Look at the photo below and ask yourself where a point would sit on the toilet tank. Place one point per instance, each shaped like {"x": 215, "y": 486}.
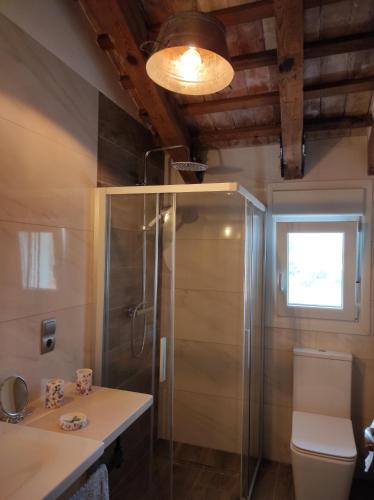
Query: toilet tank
{"x": 322, "y": 382}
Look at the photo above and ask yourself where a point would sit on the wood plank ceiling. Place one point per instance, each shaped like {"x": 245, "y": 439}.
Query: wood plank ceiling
{"x": 326, "y": 91}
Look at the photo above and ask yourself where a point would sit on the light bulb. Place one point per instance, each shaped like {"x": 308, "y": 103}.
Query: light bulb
{"x": 189, "y": 65}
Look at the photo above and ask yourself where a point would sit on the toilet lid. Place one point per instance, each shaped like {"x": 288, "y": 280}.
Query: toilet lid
{"x": 323, "y": 435}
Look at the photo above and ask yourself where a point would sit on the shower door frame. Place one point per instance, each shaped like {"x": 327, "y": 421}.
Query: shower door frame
{"x": 100, "y": 245}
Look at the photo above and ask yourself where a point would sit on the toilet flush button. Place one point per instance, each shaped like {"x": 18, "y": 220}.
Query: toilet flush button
{"x": 48, "y": 335}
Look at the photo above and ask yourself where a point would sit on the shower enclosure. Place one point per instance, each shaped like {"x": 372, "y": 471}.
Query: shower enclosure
{"x": 180, "y": 316}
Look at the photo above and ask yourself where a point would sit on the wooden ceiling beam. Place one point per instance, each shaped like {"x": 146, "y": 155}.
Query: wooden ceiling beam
{"x": 329, "y": 89}
{"x": 343, "y": 122}
{"x": 256, "y": 11}
{"x": 121, "y": 32}
{"x": 340, "y": 45}
{"x": 241, "y": 14}
{"x": 272, "y": 98}
{"x": 212, "y": 137}
{"x": 230, "y": 104}
{"x": 321, "y": 48}
{"x": 289, "y": 27}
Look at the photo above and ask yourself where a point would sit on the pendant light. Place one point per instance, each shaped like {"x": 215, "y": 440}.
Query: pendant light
{"x": 190, "y": 55}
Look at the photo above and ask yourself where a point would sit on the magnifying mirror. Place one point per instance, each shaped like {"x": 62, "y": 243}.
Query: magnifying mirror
{"x": 14, "y": 397}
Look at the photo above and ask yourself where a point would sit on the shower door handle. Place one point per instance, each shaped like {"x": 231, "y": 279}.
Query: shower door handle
{"x": 163, "y": 352}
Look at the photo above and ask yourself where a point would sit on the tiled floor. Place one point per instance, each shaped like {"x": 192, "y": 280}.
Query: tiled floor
{"x": 205, "y": 474}
{"x": 274, "y": 482}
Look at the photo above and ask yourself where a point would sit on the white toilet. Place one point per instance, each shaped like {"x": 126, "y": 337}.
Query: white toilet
{"x": 323, "y": 449}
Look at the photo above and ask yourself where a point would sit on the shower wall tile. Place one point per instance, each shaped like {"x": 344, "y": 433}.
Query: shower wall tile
{"x": 42, "y": 94}
{"x": 213, "y": 216}
{"x": 125, "y": 248}
{"x": 121, "y": 367}
{"x": 43, "y": 269}
{"x": 44, "y": 182}
{"x": 126, "y": 287}
{"x": 206, "y": 420}
{"x": 20, "y": 343}
{"x": 127, "y": 216}
{"x": 209, "y": 265}
{"x": 209, "y": 316}
{"x": 208, "y": 368}
{"x": 122, "y": 144}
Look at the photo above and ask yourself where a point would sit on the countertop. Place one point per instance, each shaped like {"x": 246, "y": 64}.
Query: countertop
{"x": 37, "y": 464}
{"x": 109, "y": 411}
{"x": 40, "y": 461}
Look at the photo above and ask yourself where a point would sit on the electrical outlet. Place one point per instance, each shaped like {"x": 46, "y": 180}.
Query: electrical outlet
{"x": 48, "y": 332}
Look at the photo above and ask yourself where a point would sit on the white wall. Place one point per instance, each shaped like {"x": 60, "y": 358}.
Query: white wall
{"x": 62, "y": 28}
{"x": 256, "y": 167}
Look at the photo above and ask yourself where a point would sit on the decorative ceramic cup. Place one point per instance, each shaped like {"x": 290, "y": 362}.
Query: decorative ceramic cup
{"x": 84, "y": 381}
{"x": 54, "y": 393}
{"x": 73, "y": 421}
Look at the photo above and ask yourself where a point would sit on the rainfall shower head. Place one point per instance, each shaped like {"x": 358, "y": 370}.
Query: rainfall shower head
{"x": 189, "y": 166}
{"x": 181, "y": 166}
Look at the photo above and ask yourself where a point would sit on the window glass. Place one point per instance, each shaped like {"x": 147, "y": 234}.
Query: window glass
{"x": 315, "y": 269}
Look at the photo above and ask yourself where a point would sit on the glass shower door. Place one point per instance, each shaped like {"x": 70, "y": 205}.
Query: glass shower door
{"x": 253, "y": 353}
{"x": 131, "y": 355}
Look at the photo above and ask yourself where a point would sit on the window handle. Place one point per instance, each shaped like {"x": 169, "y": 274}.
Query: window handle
{"x": 357, "y": 300}
{"x": 282, "y": 282}
{"x": 163, "y": 351}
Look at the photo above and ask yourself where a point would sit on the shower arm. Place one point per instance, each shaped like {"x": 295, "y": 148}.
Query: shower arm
{"x": 156, "y": 150}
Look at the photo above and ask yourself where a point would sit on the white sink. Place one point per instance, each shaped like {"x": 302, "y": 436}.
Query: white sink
{"x": 37, "y": 464}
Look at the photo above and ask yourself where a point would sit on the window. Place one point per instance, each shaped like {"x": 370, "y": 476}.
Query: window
{"x": 319, "y": 256}
{"x": 317, "y": 266}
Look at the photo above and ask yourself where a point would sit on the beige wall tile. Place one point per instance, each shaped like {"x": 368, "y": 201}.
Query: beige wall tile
{"x": 20, "y": 344}
{"x": 277, "y": 433}
{"x": 207, "y": 368}
{"x": 361, "y": 346}
{"x": 286, "y": 339}
{"x": 42, "y": 94}
{"x": 208, "y": 421}
{"x": 363, "y": 387}
{"x": 209, "y": 316}
{"x": 278, "y": 377}
{"x": 210, "y": 265}
{"x": 43, "y": 269}
{"x": 43, "y": 182}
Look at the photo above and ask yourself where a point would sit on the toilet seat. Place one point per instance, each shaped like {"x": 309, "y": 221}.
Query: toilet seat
{"x": 323, "y": 436}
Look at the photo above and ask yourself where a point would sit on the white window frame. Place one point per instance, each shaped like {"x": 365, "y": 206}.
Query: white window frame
{"x": 356, "y": 319}
{"x": 350, "y": 229}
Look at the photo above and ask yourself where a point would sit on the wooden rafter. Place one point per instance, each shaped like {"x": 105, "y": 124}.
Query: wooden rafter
{"x": 289, "y": 21}
{"x": 211, "y": 138}
{"x": 320, "y": 48}
{"x": 272, "y": 98}
{"x": 238, "y": 14}
{"x": 123, "y": 31}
